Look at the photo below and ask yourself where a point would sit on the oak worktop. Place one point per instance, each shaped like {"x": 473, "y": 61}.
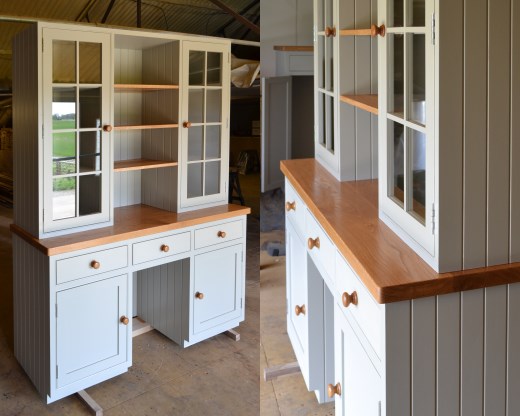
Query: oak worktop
{"x": 131, "y": 222}
{"x": 392, "y": 271}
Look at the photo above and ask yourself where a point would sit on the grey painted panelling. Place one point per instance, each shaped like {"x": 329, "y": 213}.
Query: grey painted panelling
{"x": 513, "y": 346}
{"x": 475, "y": 140}
{"x": 499, "y": 75}
{"x": 515, "y": 133}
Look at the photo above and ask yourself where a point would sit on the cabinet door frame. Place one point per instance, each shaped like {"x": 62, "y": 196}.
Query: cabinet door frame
{"x": 50, "y": 34}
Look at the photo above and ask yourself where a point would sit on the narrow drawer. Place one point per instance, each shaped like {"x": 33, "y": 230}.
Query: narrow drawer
{"x": 159, "y": 248}
{"x": 218, "y": 234}
{"x": 91, "y": 264}
{"x": 320, "y": 247}
{"x": 354, "y": 297}
{"x": 294, "y": 208}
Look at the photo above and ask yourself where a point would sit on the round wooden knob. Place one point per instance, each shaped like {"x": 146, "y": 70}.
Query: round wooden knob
{"x": 95, "y": 264}
{"x": 107, "y": 128}
{"x": 348, "y": 300}
{"x": 186, "y": 124}
{"x": 299, "y": 310}
{"x": 199, "y": 295}
{"x": 330, "y": 31}
{"x": 313, "y": 242}
{"x": 334, "y": 389}
{"x": 165, "y": 248}
{"x": 221, "y": 234}
{"x": 290, "y": 206}
{"x": 124, "y": 320}
{"x": 378, "y": 30}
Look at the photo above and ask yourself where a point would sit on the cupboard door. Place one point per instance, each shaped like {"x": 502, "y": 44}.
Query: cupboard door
{"x": 360, "y": 384}
{"x": 204, "y": 158}
{"x": 76, "y": 108}
{"x": 90, "y": 334}
{"x": 217, "y": 288}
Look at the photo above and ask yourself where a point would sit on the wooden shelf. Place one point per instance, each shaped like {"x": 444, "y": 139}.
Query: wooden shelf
{"x": 294, "y": 48}
{"x": 146, "y": 126}
{"x": 371, "y": 31}
{"x": 141, "y": 164}
{"x": 144, "y": 87}
{"x": 365, "y": 102}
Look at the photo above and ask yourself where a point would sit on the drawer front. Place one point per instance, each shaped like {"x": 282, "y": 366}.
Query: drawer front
{"x": 367, "y": 312}
{"x": 161, "y": 247}
{"x": 91, "y": 264}
{"x": 217, "y": 234}
{"x": 294, "y": 208}
{"x": 320, "y": 248}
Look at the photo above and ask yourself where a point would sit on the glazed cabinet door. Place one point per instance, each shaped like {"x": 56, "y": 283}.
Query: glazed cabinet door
{"x": 92, "y": 332}
{"x": 204, "y": 161}
{"x": 76, "y": 125}
{"x": 406, "y": 117}
{"x": 357, "y": 388}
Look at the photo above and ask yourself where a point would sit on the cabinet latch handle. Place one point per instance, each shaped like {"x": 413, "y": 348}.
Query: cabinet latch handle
{"x": 165, "y": 248}
{"x": 124, "y": 320}
{"x": 299, "y": 310}
{"x": 348, "y": 300}
{"x": 290, "y": 206}
{"x": 107, "y": 128}
{"x": 378, "y": 30}
{"x": 313, "y": 242}
{"x": 95, "y": 264}
{"x": 334, "y": 389}
{"x": 199, "y": 295}
{"x": 330, "y": 31}
{"x": 186, "y": 124}
{"x": 221, "y": 234}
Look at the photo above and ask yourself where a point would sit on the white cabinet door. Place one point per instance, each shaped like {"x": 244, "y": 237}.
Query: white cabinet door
{"x": 217, "y": 288}
{"x": 90, "y": 336}
{"x": 360, "y": 383}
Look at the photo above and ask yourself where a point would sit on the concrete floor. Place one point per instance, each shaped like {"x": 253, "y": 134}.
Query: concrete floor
{"x": 216, "y": 377}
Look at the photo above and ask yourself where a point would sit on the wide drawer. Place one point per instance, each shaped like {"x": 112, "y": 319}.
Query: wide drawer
{"x": 217, "y": 234}
{"x": 353, "y": 297}
{"x": 320, "y": 247}
{"x": 294, "y": 208}
{"x": 161, "y": 247}
{"x": 91, "y": 264}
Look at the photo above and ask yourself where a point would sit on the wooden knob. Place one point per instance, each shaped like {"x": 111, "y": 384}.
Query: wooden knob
{"x": 378, "y": 30}
{"x": 124, "y": 320}
{"x": 165, "y": 248}
{"x": 348, "y": 300}
{"x": 313, "y": 242}
{"x": 290, "y": 206}
{"x": 221, "y": 234}
{"x": 186, "y": 124}
{"x": 107, "y": 128}
{"x": 95, "y": 264}
{"x": 299, "y": 310}
{"x": 199, "y": 295}
{"x": 330, "y": 31}
{"x": 334, "y": 389}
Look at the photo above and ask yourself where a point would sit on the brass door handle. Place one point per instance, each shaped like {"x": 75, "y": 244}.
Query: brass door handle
{"x": 165, "y": 248}
{"x": 348, "y": 300}
{"x": 313, "y": 242}
{"x": 199, "y": 295}
{"x": 290, "y": 206}
{"x": 334, "y": 389}
{"x": 95, "y": 264}
{"x": 221, "y": 234}
{"x": 299, "y": 310}
{"x": 124, "y": 320}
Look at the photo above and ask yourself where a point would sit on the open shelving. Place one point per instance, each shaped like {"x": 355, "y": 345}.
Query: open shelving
{"x": 367, "y": 102}
{"x": 141, "y": 164}
{"x": 144, "y": 87}
{"x": 146, "y": 126}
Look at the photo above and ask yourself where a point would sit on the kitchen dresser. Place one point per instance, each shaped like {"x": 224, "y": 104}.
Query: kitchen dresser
{"x": 121, "y": 165}
{"x": 403, "y": 291}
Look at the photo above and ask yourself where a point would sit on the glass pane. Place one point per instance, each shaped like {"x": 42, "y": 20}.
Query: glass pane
{"x": 329, "y": 122}
{"x": 329, "y": 15}
{"x": 396, "y": 174}
{"x": 329, "y": 63}
{"x": 89, "y": 63}
{"x": 63, "y": 61}
{"x": 418, "y": 83}
{"x": 418, "y": 152}
{"x": 194, "y": 180}
{"x": 214, "y": 66}
{"x": 63, "y": 108}
{"x": 416, "y": 13}
{"x": 213, "y": 106}
{"x": 212, "y": 142}
{"x": 321, "y": 61}
{"x": 212, "y": 178}
{"x": 89, "y": 194}
{"x": 196, "y": 68}
{"x": 90, "y": 108}
{"x": 395, "y": 13}
{"x": 323, "y": 119}
{"x": 396, "y": 74}
{"x": 63, "y": 153}
{"x": 321, "y": 15}
{"x": 63, "y": 198}
{"x": 196, "y": 106}
{"x": 89, "y": 151}
{"x": 195, "y": 142}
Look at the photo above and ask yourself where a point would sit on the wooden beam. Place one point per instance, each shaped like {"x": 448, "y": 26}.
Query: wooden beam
{"x": 237, "y": 16}
{"x": 94, "y": 407}
{"x": 107, "y": 13}
{"x": 85, "y": 10}
{"x": 138, "y": 5}
{"x": 271, "y": 373}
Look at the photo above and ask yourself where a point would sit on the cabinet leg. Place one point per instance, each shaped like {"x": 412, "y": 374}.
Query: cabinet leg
{"x": 234, "y": 335}
{"x": 90, "y": 402}
{"x": 271, "y": 373}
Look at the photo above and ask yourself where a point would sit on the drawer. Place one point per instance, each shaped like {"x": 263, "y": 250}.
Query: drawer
{"x": 367, "y": 312}
{"x": 91, "y": 264}
{"x": 161, "y": 247}
{"x": 320, "y": 248}
{"x": 294, "y": 208}
{"x": 217, "y": 234}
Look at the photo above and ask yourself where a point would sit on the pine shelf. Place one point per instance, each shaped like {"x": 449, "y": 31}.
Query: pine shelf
{"x": 141, "y": 164}
{"x": 144, "y": 87}
{"x": 367, "y": 102}
{"x": 146, "y": 126}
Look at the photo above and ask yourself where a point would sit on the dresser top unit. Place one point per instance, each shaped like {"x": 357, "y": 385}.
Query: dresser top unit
{"x": 389, "y": 268}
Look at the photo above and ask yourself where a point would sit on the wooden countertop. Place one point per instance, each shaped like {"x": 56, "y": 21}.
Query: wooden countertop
{"x": 131, "y": 222}
{"x": 391, "y": 270}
